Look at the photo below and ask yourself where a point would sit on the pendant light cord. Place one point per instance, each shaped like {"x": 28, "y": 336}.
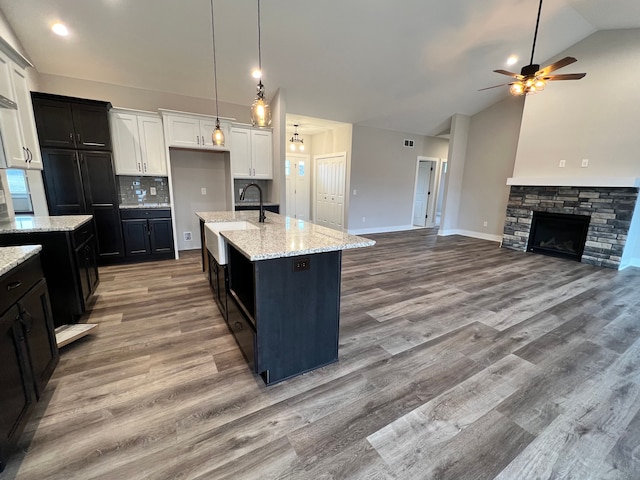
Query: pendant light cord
{"x": 215, "y": 69}
{"x": 535, "y": 35}
{"x": 259, "y": 47}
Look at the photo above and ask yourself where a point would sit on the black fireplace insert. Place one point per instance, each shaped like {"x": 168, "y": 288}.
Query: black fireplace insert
{"x": 558, "y": 234}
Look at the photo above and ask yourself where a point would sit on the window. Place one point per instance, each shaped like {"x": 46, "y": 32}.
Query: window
{"x": 19, "y": 188}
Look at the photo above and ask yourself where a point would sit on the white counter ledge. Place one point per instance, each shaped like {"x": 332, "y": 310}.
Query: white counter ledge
{"x": 11, "y": 257}
{"x": 281, "y": 236}
{"x": 65, "y": 223}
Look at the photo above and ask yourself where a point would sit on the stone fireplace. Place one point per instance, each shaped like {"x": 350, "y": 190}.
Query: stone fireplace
{"x": 610, "y": 210}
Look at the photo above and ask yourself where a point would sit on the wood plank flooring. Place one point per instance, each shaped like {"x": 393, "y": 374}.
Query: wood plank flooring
{"x": 458, "y": 360}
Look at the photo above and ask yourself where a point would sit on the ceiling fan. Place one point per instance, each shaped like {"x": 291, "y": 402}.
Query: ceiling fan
{"x": 532, "y": 78}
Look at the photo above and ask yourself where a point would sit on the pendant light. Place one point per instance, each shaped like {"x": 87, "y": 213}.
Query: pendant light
{"x": 296, "y": 141}
{"x": 260, "y": 111}
{"x": 218, "y": 135}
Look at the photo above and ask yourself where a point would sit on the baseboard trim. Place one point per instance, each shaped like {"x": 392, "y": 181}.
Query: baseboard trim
{"x": 396, "y": 228}
{"x": 469, "y": 233}
{"x": 634, "y": 262}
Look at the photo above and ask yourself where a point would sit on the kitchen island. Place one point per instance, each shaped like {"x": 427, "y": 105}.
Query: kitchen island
{"x": 280, "y": 290}
{"x": 69, "y": 258}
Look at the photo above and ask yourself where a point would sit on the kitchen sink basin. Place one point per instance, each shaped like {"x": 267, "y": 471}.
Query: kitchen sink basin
{"x": 216, "y": 243}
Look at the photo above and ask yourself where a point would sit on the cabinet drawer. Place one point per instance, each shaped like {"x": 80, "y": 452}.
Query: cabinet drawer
{"x": 18, "y": 281}
{"x": 242, "y": 330}
{"x": 142, "y": 213}
{"x": 82, "y": 233}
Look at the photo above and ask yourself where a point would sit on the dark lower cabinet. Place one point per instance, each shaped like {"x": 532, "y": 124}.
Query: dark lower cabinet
{"x": 148, "y": 233}
{"x": 28, "y": 350}
{"x": 284, "y": 312}
{"x": 69, "y": 262}
{"x": 218, "y": 283}
{"x": 78, "y": 182}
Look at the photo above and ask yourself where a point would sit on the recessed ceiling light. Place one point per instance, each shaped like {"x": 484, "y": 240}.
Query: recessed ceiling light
{"x": 512, "y": 60}
{"x": 256, "y": 73}
{"x": 60, "y": 29}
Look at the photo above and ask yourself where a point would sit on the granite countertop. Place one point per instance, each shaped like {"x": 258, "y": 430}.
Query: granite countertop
{"x": 65, "y": 223}
{"x": 146, "y": 205}
{"x": 281, "y": 236}
{"x": 11, "y": 257}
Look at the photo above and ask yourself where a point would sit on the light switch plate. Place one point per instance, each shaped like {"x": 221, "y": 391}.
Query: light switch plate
{"x": 203, "y": 191}
{"x": 585, "y": 163}
{"x": 563, "y": 163}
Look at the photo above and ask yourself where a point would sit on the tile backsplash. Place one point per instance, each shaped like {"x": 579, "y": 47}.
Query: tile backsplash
{"x": 140, "y": 190}
{"x": 252, "y": 194}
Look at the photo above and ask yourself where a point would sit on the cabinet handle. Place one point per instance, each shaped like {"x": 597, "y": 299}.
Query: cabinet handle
{"x": 145, "y": 167}
{"x": 94, "y": 144}
{"x": 30, "y": 155}
{"x": 139, "y": 168}
{"x": 26, "y": 154}
{"x": 14, "y": 285}
{"x": 71, "y": 137}
{"x": 26, "y": 320}
{"x": 78, "y": 137}
{"x": 238, "y": 326}
{"x": 198, "y": 139}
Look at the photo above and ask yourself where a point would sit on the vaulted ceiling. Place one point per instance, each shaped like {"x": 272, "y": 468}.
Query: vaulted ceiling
{"x": 406, "y": 65}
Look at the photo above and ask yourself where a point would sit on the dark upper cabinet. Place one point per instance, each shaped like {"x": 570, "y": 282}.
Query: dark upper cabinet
{"x": 71, "y": 123}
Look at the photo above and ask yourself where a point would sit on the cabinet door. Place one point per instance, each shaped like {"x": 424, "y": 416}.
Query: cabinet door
{"x": 102, "y": 202}
{"x": 183, "y": 132}
{"x": 136, "y": 238}
{"x": 154, "y": 160}
{"x": 161, "y": 235}
{"x": 62, "y": 182}
{"x": 27, "y": 121}
{"x": 206, "y": 131}
{"x": 37, "y": 322}
{"x": 126, "y": 144}
{"x": 241, "y": 152}
{"x": 86, "y": 262}
{"x": 16, "y": 394}
{"x": 261, "y": 154}
{"x": 54, "y": 123}
{"x": 91, "y": 126}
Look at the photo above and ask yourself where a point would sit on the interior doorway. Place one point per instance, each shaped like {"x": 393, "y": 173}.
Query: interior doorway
{"x": 298, "y": 186}
{"x": 330, "y": 181}
{"x": 425, "y": 192}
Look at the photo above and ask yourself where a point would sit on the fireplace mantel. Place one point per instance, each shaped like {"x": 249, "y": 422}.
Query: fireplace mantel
{"x": 575, "y": 181}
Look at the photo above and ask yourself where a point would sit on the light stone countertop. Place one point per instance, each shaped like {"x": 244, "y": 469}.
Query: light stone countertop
{"x": 11, "y": 257}
{"x": 65, "y": 223}
{"x": 145, "y": 206}
{"x": 281, "y": 236}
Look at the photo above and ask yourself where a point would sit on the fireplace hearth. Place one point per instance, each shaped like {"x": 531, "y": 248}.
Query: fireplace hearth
{"x": 558, "y": 234}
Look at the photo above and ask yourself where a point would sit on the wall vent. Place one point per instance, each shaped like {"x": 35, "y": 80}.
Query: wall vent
{"x": 408, "y": 143}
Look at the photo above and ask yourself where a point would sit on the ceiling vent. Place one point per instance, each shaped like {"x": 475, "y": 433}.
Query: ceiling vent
{"x": 408, "y": 143}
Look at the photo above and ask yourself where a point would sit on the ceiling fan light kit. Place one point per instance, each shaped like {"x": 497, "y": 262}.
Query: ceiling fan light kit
{"x": 532, "y": 78}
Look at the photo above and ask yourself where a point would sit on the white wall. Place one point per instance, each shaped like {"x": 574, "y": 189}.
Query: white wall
{"x": 596, "y": 118}
{"x": 383, "y": 173}
{"x": 8, "y": 35}
{"x": 192, "y": 170}
{"x": 278, "y": 192}
{"x": 490, "y": 156}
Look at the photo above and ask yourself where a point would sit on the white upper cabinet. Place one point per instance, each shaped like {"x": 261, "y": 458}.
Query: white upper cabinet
{"x": 251, "y": 153}
{"x": 192, "y": 131}
{"x": 20, "y": 147}
{"x": 138, "y": 143}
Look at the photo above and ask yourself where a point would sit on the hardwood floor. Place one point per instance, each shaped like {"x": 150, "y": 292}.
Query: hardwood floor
{"x": 458, "y": 360}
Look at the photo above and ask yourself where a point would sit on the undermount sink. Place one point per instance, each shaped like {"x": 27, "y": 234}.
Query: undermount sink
{"x": 216, "y": 243}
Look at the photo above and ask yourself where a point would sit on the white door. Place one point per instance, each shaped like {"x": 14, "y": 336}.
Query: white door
{"x": 152, "y": 146}
{"x": 330, "y": 188}
{"x": 297, "y": 186}
{"x": 421, "y": 200}
{"x": 126, "y": 147}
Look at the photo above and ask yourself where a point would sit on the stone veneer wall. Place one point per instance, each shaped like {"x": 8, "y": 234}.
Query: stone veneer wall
{"x": 610, "y": 208}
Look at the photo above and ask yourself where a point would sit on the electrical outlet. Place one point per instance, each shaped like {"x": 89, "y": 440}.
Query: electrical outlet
{"x": 585, "y": 163}
{"x": 364, "y": 219}
{"x": 301, "y": 264}
{"x": 152, "y": 191}
{"x": 203, "y": 191}
{"x": 563, "y": 163}
{"x": 485, "y": 223}
{"x": 187, "y": 236}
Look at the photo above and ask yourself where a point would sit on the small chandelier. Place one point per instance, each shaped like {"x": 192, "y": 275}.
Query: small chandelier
{"x": 260, "y": 111}
{"x": 218, "y": 135}
{"x": 296, "y": 141}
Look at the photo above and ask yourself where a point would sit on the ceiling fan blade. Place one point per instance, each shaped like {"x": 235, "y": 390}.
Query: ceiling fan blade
{"x": 509, "y": 74}
{"x": 495, "y": 86}
{"x": 566, "y": 76}
{"x": 555, "y": 66}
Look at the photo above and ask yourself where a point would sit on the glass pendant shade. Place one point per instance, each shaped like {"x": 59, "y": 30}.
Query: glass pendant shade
{"x": 260, "y": 111}
{"x": 218, "y": 135}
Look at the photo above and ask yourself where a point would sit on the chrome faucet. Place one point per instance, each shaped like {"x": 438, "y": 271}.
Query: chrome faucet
{"x": 262, "y": 215}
